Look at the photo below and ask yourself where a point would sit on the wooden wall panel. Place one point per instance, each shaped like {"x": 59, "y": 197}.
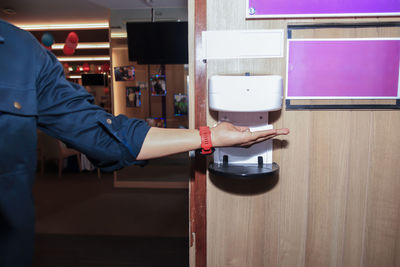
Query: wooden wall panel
{"x": 357, "y": 180}
{"x": 191, "y": 95}
{"x": 176, "y": 84}
{"x": 383, "y": 200}
{"x": 327, "y": 187}
{"x": 120, "y": 58}
{"x": 239, "y": 214}
{"x": 335, "y": 201}
{"x": 294, "y": 190}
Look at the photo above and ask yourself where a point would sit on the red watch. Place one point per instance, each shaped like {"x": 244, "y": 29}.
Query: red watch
{"x": 206, "y": 145}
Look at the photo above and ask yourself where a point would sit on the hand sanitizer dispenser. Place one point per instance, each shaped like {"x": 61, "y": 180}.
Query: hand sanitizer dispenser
{"x": 245, "y": 101}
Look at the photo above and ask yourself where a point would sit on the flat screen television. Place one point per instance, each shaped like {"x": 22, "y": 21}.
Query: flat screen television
{"x": 158, "y": 42}
{"x": 93, "y": 79}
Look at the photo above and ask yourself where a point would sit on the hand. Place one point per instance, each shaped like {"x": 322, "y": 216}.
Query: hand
{"x": 227, "y": 134}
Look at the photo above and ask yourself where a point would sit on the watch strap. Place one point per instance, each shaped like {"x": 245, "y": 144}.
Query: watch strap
{"x": 206, "y": 144}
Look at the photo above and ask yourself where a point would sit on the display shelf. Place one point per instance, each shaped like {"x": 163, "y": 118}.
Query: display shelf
{"x": 244, "y": 170}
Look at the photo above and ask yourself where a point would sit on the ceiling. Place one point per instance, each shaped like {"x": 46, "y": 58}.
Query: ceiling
{"x": 86, "y": 11}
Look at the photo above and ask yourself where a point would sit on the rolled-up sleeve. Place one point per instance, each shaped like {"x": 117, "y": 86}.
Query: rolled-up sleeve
{"x": 66, "y": 112}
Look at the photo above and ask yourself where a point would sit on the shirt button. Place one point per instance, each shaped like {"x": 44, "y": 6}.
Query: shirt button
{"x": 17, "y": 105}
{"x": 109, "y": 121}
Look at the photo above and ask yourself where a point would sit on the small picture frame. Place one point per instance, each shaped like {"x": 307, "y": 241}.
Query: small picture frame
{"x": 133, "y": 97}
{"x": 156, "y": 122}
{"x": 158, "y": 85}
{"x": 180, "y": 105}
{"x": 124, "y": 73}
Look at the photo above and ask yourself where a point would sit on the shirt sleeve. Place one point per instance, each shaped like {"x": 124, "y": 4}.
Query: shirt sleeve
{"x": 66, "y": 112}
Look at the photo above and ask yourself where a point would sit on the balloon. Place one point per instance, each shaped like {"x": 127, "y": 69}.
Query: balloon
{"x": 68, "y": 51}
{"x": 47, "y": 39}
{"x": 47, "y": 47}
{"x": 86, "y": 67}
{"x": 72, "y": 40}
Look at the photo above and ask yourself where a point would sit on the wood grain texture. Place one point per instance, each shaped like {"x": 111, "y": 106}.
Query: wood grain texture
{"x": 327, "y": 187}
{"x": 294, "y": 190}
{"x": 383, "y": 211}
{"x": 198, "y": 181}
{"x": 357, "y": 181}
{"x": 335, "y": 201}
{"x": 191, "y": 93}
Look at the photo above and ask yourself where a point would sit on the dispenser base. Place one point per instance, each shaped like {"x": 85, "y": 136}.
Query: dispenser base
{"x": 243, "y": 170}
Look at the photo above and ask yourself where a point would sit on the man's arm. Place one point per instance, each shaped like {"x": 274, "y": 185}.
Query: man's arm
{"x": 161, "y": 142}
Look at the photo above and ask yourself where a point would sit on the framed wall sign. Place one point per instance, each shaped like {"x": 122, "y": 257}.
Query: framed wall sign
{"x": 343, "y": 68}
{"x": 158, "y": 85}
{"x": 124, "y": 73}
{"x": 321, "y": 8}
{"x": 133, "y": 97}
{"x": 180, "y": 105}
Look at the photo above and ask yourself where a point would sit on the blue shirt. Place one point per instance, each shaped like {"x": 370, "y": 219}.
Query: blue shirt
{"x": 34, "y": 93}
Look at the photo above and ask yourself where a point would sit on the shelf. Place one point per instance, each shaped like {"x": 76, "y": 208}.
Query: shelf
{"x": 244, "y": 171}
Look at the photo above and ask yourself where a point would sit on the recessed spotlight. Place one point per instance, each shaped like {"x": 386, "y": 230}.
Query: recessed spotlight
{"x": 9, "y": 11}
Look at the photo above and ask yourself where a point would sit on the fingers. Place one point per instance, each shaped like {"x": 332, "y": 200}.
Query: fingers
{"x": 260, "y": 136}
{"x": 273, "y": 132}
{"x": 243, "y": 128}
{"x": 283, "y": 131}
{"x": 250, "y": 143}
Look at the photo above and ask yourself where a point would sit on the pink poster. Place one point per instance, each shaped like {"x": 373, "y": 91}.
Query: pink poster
{"x": 343, "y": 68}
{"x": 321, "y": 8}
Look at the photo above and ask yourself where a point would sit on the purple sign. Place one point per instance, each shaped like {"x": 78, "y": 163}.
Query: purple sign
{"x": 321, "y": 8}
{"x": 335, "y": 68}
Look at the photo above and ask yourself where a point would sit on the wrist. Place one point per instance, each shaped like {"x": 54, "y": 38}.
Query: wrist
{"x": 213, "y": 138}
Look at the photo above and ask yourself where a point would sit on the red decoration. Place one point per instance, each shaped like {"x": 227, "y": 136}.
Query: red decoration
{"x": 86, "y": 67}
{"x": 68, "y": 51}
{"x": 106, "y": 90}
{"x": 106, "y": 67}
{"x": 72, "y": 40}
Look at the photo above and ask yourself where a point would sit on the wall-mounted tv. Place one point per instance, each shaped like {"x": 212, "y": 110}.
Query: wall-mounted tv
{"x": 158, "y": 42}
{"x": 93, "y": 79}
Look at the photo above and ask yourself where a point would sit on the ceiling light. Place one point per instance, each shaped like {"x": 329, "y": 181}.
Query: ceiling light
{"x": 74, "y": 76}
{"x": 119, "y": 35}
{"x": 37, "y": 27}
{"x": 105, "y": 45}
{"x": 92, "y": 58}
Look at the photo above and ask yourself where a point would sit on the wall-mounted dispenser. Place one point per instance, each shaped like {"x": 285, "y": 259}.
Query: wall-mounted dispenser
{"x": 245, "y": 101}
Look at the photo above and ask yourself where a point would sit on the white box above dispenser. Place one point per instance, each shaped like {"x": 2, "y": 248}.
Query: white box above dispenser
{"x": 235, "y": 93}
